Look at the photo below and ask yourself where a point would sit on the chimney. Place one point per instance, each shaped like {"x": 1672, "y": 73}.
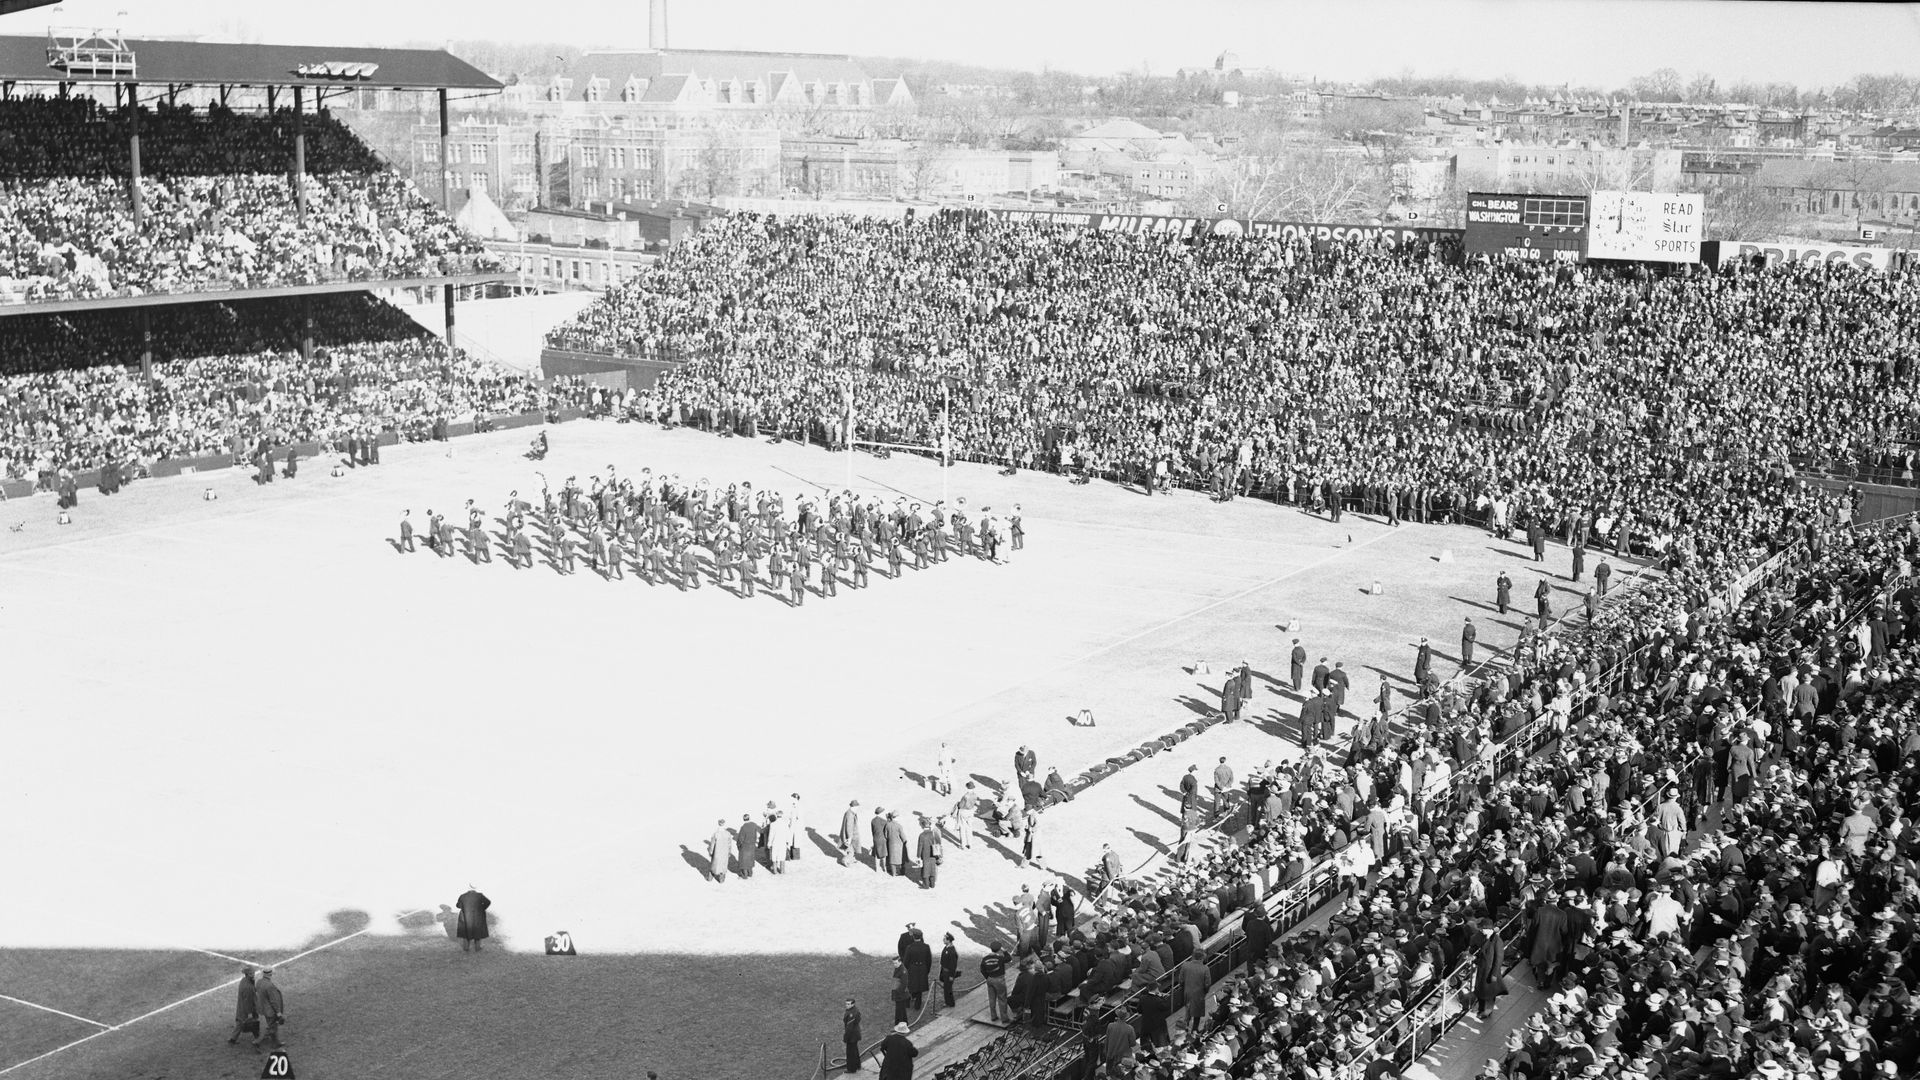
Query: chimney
{"x": 657, "y": 24}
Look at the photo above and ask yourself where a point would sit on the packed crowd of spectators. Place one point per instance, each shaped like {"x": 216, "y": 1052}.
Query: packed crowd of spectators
{"x": 385, "y": 376}
{"x": 45, "y": 342}
{"x": 42, "y": 138}
{"x": 1316, "y": 375}
{"x": 219, "y": 210}
{"x": 1709, "y": 865}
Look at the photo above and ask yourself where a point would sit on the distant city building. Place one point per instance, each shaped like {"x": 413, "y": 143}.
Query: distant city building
{"x": 1567, "y": 170}
{"x": 707, "y": 80}
{"x": 1846, "y": 188}
{"x": 598, "y": 158}
{"x": 1148, "y": 162}
{"x": 556, "y": 267}
{"x": 485, "y": 155}
{"x": 826, "y": 166}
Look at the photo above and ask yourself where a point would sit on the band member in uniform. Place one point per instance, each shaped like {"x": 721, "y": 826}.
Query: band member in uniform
{"x": 749, "y": 564}
{"x": 802, "y": 566}
{"x": 777, "y": 567}
{"x": 522, "y": 549}
{"x": 829, "y": 577}
{"x": 615, "y": 556}
{"x": 860, "y": 561}
{"x": 689, "y": 566}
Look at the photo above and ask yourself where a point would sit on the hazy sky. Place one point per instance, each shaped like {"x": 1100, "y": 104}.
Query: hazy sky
{"x": 1593, "y": 42}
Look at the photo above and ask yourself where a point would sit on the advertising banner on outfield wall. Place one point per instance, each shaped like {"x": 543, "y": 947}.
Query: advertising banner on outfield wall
{"x": 1727, "y": 252}
{"x": 1174, "y": 225}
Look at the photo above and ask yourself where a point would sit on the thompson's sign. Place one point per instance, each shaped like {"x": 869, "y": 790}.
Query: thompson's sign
{"x": 1173, "y": 225}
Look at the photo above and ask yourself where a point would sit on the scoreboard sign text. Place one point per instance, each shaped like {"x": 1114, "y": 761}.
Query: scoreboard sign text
{"x": 1647, "y": 226}
{"x": 1532, "y": 227}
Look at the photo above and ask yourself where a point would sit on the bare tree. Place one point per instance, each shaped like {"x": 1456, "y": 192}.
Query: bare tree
{"x": 1449, "y": 209}
{"x": 1662, "y": 84}
{"x": 1744, "y": 212}
{"x": 919, "y": 167}
{"x": 1703, "y": 90}
{"x": 1294, "y": 183}
{"x": 715, "y": 171}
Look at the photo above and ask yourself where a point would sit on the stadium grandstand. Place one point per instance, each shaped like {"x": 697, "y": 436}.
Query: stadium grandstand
{"x": 1670, "y": 827}
{"x": 194, "y": 246}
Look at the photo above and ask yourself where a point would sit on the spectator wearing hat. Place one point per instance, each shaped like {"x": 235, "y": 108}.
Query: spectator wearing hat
{"x": 472, "y": 925}
{"x": 719, "y": 851}
{"x": 246, "y": 1013}
{"x": 850, "y": 1034}
{"x": 848, "y": 837}
{"x": 273, "y": 1008}
{"x": 897, "y": 1053}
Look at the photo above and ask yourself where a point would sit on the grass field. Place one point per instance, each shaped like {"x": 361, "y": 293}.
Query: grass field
{"x": 249, "y": 729}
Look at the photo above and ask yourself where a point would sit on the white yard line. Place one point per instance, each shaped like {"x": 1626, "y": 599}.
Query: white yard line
{"x": 54, "y": 1011}
{"x": 224, "y": 956}
{"x": 123, "y": 1025}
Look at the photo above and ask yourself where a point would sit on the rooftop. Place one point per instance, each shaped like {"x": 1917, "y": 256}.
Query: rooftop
{"x": 186, "y": 63}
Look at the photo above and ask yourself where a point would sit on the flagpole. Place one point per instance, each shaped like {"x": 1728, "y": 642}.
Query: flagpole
{"x": 849, "y": 432}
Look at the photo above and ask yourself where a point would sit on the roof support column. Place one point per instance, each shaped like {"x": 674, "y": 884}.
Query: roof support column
{"x": 300, "y": 155}
{"x": 446, "y": 293}
{"x": 146, "y": 343}
{"x": 133, "y": 152}
{"x": 306, "y": 327}
{"x": 446, "y": 197}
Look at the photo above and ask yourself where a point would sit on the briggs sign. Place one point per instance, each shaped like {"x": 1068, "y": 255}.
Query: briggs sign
{"x": 1732, "y": 251}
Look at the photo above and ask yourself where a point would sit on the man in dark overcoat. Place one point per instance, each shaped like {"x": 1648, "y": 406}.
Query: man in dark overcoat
{"x": 472, "y": 927}
{"x": 919, "y": 960}
{"x": 244, "y": 1010}
{"x": 896, "y": 1055}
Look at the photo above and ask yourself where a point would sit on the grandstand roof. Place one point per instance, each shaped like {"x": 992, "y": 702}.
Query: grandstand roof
{"x": 53, "y": 307}
{"x": 24, "y": 59}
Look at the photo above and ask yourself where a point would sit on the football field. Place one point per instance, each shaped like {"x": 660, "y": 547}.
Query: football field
{"x": 249, "y": 729}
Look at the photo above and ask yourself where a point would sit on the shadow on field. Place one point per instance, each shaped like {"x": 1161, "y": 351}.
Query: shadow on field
{"x": 988, "y": 925}
{"x": 1149, "y": 839}
{"x": 389, "y": 991}
{"x": 1157, "y": 808}
{"x": 1476, "y": 604}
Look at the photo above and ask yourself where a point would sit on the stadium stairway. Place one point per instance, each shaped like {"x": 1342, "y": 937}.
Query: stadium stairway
{"x": 1462, "y": 1052}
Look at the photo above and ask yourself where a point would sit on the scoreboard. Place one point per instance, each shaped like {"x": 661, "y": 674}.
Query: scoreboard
{"x": 1535, "y": 227}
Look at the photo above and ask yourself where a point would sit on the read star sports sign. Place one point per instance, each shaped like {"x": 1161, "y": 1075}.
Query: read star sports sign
{"x": 1647, "y": 226}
